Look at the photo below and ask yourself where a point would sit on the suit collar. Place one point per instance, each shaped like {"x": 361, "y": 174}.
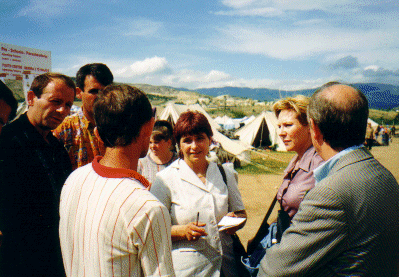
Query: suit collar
{"x": 352, "y": 157}
{"x": 330, "y": 165}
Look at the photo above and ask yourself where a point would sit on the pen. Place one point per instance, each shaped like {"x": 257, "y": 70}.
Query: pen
{"x": 197, "y": 218}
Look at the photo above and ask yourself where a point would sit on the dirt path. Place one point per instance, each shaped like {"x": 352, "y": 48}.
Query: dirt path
{"x": 389, "y": 156}
{"x": 258, "y": 191}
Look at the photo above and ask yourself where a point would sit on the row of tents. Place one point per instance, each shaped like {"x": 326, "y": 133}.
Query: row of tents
{"x": 256, "y": 131}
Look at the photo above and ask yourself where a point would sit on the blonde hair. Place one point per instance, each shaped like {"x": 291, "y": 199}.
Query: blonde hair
{"x": 299, "y": 104}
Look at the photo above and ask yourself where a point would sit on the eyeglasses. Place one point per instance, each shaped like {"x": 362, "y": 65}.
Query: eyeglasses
{"x": 154, "y": 112}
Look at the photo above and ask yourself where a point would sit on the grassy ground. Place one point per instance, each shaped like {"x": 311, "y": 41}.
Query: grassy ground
{"x": 266, "y": 162}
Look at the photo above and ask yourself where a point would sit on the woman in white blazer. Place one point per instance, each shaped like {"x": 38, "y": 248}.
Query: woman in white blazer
{"x": 197, "y": 198}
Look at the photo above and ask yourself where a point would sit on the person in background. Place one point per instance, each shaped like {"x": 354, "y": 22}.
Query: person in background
{"x": 377, "y": 132}
{"x": 294, "y": 131}
{"x": 369, "y": 136}
{"x": 8, "y": 105}
{"x": 35, "y": 166}
{"x": 197, "y": 198}
{"x": 77, "y": 131}
{"x": 347, "y": 225}
{"x": 111, "y": 225}
{"x": 385, "y": 134}
{"x": 161, "y": 152}
{"x": 8, "y": 109}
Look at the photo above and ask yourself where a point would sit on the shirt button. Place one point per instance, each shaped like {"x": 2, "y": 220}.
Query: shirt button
{"x": 215, "y": 238}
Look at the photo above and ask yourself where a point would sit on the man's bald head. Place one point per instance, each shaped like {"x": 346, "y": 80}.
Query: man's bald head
{"x": 340, "y": 112}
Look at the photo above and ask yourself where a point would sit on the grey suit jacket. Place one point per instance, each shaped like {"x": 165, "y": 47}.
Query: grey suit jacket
{"x": 348, "y": 225}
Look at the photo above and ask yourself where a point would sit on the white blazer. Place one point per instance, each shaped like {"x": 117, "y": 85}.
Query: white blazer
{"x": 184, "y": 195}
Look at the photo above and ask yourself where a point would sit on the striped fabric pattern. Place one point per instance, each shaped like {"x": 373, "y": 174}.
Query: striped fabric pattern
{"x": 113, "y": 227}
{"x": 149, "y": 168}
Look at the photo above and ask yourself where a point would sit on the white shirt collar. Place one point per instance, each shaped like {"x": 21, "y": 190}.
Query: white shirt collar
{"x": 322, "y": 171}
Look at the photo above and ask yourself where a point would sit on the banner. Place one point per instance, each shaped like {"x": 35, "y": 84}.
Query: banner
{"x": 17, "y": 61}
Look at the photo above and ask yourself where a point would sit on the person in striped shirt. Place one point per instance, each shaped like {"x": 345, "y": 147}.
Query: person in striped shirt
{"x": 111, "y": 225}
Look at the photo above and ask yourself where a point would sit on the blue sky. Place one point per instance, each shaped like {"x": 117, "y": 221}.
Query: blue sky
{"x": 286, "y": 44}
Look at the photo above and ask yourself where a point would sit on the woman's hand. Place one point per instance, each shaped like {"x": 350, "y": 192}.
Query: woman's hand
{"x": 233, "y": 230}
{"x": 190, "y": 232}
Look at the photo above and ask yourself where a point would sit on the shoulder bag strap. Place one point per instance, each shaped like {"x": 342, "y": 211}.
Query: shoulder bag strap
{"x": 221, "y": 169}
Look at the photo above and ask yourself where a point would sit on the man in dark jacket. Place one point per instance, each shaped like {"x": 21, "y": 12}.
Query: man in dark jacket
{"x": 34, "y": 166}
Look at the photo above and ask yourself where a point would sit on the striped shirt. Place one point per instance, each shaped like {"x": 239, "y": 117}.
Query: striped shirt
{"x": 149, "y": 168}
{"x": 111, "y": 225}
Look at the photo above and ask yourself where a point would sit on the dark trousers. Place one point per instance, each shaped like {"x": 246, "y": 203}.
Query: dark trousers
{"x": 369, "y": 143}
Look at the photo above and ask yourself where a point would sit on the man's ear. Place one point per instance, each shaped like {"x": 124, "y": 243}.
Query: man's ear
{"x": 315, "y": 132}
{"x": 97, "y": 134}
{"x": 31, "y": 98}
{"x": 78, "y": 93}
{"x": 147, "y": 128}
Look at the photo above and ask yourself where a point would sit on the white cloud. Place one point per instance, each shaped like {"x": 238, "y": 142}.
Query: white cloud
{"x": 303, "y": 42}
{"x": 372, "y": 67}
{"x": 47, "y": 9}
{"x": 237, "y": 3}
{"x": 149, "y": 66}
{"x": 239, "y": 6}
{"x": 137, "y": 27}
{"x": 197, "y": 79}
{"x": 266, "y": 11}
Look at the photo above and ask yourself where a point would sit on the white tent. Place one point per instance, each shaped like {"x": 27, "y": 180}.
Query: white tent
{"x": 228, "y": 123}
{"x": 249, "y": 120}
{"x": 263, "y": 130}
{"x": 172, "y": 112}
{"x": 373, "y": 123}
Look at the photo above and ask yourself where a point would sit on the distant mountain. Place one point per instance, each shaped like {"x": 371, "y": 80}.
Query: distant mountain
{"x": 261, "y": 94}
{"x": 380, "y": 96}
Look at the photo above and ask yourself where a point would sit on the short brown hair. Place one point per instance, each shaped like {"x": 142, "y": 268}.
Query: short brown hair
{"x": 41, "y": 81}
{"x": 119, "y": 112}
{"x": 191, "y": 123}
{"x": 342, "y": 126}
{"x": 299, "y": 104}
{"x": 163, "y": 130}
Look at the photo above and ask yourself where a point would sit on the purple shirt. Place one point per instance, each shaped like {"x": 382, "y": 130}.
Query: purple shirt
{"x": 298, "y": 180}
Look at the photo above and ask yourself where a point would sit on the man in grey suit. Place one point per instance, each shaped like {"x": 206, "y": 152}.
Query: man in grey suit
{"x": 348, "y": 225}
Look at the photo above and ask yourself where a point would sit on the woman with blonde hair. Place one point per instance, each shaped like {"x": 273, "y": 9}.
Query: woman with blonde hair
{"x": 294, "y": 130}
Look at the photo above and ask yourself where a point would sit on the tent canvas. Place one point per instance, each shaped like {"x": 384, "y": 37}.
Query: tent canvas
{"x": 172, "y": 112}
{"x": 373, "y": 123}
{"x": 227, "y": 123}
{"x": 262, "y": 131}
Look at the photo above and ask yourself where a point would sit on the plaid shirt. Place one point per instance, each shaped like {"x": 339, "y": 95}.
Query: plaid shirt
{"x": 77, "y": 135}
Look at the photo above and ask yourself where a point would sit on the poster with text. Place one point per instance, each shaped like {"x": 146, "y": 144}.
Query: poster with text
{"x": 17, "y": 61}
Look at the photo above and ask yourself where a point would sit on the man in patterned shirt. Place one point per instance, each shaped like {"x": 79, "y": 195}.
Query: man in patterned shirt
{"x": 77, "y": 131}
{"x": 111, "y": 225}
